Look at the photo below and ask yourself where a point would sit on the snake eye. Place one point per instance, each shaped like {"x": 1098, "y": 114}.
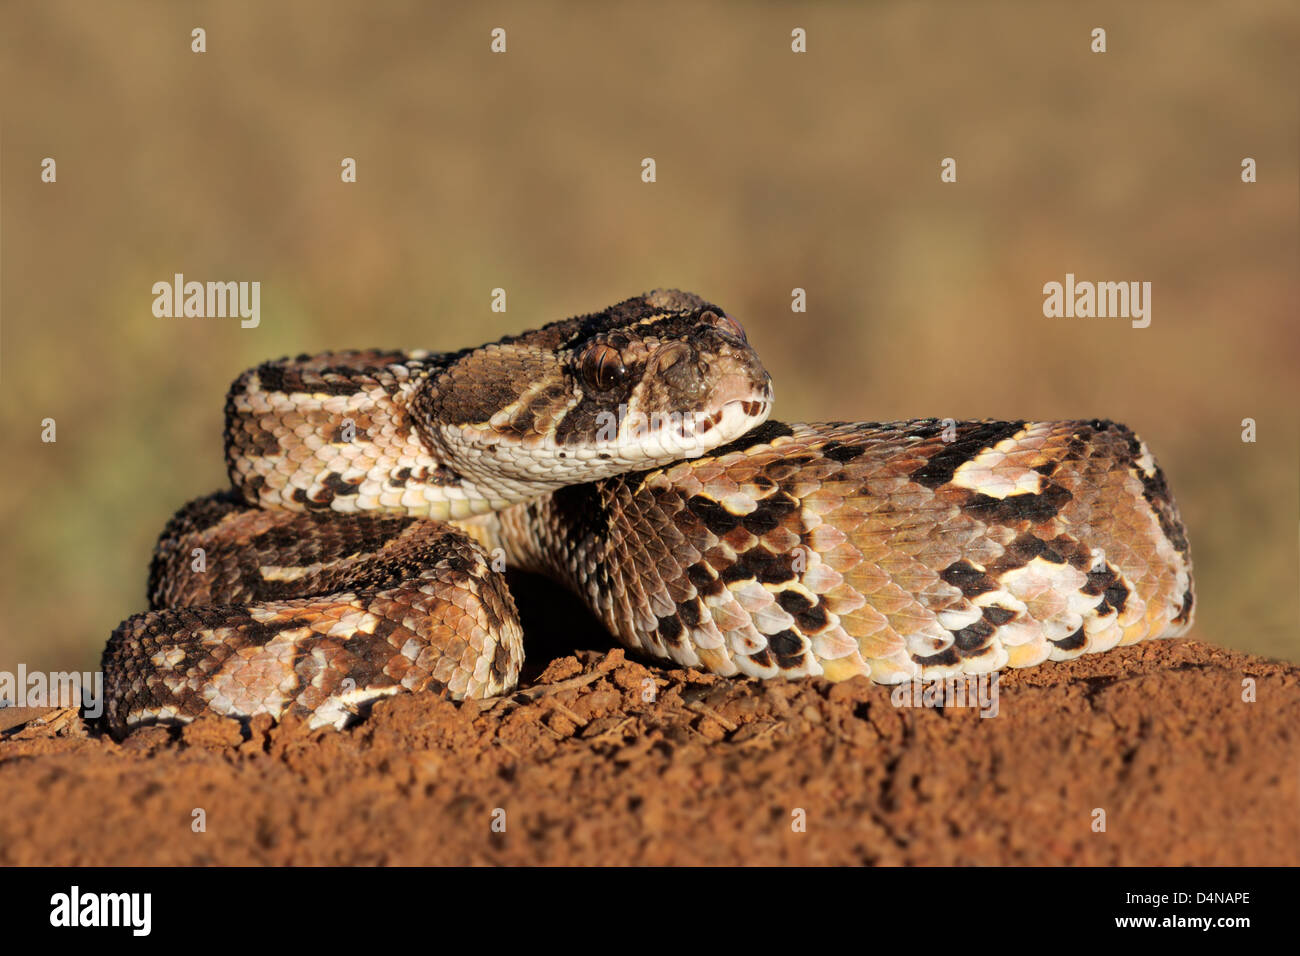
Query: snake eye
{"x": 602, "y": 367}
{"x": 726, "y": 323}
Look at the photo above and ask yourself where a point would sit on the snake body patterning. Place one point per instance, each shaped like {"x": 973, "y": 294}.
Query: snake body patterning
{"x": 626, "y": 454}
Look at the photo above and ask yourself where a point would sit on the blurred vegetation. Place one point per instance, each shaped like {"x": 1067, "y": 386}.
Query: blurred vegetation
{"x": 775, "y": 171}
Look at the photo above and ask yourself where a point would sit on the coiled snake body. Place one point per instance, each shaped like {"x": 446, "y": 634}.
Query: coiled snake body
{"x": 626, "y": 453}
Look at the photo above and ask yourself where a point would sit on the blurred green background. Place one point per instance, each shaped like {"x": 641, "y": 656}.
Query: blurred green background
{"x": 522, "y": 170}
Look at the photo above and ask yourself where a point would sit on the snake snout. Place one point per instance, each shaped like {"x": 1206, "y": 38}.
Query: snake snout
{"x": 738, "y": 377}
{"x": 704, "y": 373}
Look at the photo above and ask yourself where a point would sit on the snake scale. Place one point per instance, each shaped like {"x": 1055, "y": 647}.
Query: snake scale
{"x": 376, "y": 498}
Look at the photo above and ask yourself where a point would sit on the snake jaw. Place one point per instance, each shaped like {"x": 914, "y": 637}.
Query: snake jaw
{"x": 626, "y": 439}
{"x": 736, "y": 417}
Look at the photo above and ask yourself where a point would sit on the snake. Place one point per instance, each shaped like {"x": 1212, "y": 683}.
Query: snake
{"x": 377, "y": 499}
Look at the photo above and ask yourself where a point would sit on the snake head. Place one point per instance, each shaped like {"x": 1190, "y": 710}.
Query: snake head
{"x": 651, "y": 380}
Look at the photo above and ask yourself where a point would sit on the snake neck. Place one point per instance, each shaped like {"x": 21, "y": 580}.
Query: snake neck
{"x": 537, "y": 536}
{"x": 336, "y": 434}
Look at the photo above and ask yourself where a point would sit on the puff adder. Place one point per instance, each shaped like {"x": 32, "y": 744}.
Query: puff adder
{"x": 377, "y": 496}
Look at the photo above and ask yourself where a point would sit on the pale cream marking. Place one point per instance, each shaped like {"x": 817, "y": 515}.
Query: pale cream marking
{"x": 990, "y": 473}
{"x": 338, "y": 709}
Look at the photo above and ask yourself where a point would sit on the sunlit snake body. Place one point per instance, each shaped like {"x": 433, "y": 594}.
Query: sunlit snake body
{"x": 897, "y": 550}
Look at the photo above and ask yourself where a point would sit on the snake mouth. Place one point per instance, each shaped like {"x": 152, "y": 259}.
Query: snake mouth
{"x": 660, "y": 438}
{"x": 731, "y": 420}
{"x": 747, "y": 408}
